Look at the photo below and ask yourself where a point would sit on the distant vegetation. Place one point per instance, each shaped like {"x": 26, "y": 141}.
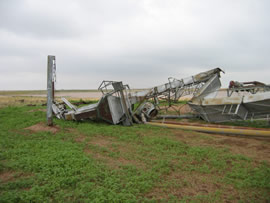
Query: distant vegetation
{"x": 38, "y": 92}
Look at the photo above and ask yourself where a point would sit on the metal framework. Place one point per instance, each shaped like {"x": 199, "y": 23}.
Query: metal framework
{"x": 116, "y": 105}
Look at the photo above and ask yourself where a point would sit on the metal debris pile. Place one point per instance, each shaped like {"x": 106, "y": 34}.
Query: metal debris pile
{"x": 120, "y": 105}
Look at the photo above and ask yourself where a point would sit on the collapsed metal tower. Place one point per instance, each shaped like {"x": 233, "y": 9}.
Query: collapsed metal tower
{"x": 117, "y": 103}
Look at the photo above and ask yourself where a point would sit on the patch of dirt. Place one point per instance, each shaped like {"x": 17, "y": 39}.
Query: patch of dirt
{"x": 74, "y": 134}
{"x": 35, "y": 110}
{"x": 7, "y": 176}
{"x": 114, "y": 163}
{"x": 119, "y": 148}
{"x": 80, "y": 138}
{"x": 258, "y": 149}
{"x": 41, "y": 127}
{"x": 261, "y": 147}
{"x": 190, "y": 184}
{"x": 232, "y": 142}
{"x": 102, "y": 142}
{"x": 181, "y": 109}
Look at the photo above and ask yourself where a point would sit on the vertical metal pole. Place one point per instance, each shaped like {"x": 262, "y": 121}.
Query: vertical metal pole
{"x": 53, "y": 91}
{"x": 50, "y": 90}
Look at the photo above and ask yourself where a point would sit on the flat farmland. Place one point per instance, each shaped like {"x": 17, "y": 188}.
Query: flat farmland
{"x": 97, "y": 162}
{"x": 84, "y": 94}
{"x": 29, "y": 97}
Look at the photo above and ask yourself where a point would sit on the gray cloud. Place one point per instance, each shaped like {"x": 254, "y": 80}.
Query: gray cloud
{"x": 23, "y": 18}
{"x": 62, "y": 18}
{"x": 142, "y": 42}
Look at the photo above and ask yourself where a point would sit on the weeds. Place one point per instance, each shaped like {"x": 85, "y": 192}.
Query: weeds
{"x": 151, "y": 165}
{"x": 249, "y": 123}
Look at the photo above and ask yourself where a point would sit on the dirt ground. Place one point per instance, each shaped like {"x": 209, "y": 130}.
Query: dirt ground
{"x": 111, "y": 145}
{"x": 253, "y": 147}
{"x": 176, "y": 109}
{"x": 257, "y": 148}
{"x": 115, "y": 154}
{"x": 42, "y": 127}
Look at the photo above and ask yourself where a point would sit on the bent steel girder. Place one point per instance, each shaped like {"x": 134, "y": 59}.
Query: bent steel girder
{"x": 117, "y": 101}
{"x": 115, "y": 106}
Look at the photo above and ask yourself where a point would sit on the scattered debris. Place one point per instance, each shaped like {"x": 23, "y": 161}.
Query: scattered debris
{"x": 116, "y": 105}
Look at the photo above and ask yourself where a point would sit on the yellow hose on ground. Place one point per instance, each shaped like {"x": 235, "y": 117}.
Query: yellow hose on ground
{"x": 215, "y": 130}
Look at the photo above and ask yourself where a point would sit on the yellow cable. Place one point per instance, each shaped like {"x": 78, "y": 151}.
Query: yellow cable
{"x": 215, "y": 130}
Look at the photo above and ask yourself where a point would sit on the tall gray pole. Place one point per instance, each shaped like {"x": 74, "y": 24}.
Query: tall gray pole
{"x": 50, "y": 90}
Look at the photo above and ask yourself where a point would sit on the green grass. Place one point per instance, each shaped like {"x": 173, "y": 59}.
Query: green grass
{"x": 249, "y": 123}
{"x": 118, "y": 164}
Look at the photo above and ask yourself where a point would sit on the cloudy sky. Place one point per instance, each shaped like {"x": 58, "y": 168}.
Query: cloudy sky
{"x": 140, "y": 42}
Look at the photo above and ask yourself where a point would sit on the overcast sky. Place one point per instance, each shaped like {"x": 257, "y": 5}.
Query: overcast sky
{"x": 140, "y": 42}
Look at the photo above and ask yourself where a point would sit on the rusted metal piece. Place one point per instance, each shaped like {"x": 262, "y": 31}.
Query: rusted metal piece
{"x": 148, "y": 109}
{"x": 249, "y": 87}
{"x": 104, "y": 112}
{"x": 236, "y": 84}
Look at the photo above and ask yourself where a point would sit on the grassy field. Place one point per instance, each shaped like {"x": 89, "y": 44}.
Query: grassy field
{"x": 96, "y": 162}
